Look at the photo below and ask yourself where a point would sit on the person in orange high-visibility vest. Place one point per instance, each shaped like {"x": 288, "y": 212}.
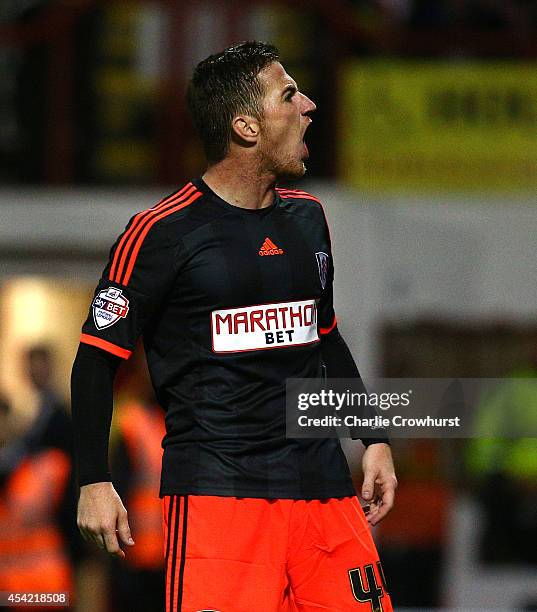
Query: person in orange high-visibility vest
{"x": 33, "y": 553}
{"x": 36, "y": 501}
{"x": 32, "y": 550}
{"x": 139, "y": 581}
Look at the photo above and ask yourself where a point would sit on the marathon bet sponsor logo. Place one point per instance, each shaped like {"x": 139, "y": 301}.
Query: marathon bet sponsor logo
{"x": 109, "y": 306}
{"x": 264, "y": 326}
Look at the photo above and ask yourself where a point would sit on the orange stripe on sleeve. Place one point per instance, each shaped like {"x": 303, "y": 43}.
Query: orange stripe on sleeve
{"x": 301, "y": 197}
{"x": 327, "y": 330}
{"x": 178, "y": 206}
{"x": 138, "y": 220}
{"x": 296, "y": 193}
{"x": 106, "y": 346}
{"x": 137, "y": 228}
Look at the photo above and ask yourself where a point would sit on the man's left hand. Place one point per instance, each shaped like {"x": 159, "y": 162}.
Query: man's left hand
{"x": 379, "y": 481}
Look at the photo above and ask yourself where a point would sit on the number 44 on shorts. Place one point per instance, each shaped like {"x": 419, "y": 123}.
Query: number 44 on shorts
{"x": 365, "y": 587}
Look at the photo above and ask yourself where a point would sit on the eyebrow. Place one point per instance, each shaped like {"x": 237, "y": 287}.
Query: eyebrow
{"x": 290, "y": 87}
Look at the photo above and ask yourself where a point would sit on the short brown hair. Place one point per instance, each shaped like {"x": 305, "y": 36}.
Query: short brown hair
{"x": 224, "y": 85}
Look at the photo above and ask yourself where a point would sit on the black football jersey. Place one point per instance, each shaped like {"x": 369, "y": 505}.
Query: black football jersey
{"x": 230, "y": 302}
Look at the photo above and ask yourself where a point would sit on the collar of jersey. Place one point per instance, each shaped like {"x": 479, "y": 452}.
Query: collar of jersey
{"x": 205, "y": 189}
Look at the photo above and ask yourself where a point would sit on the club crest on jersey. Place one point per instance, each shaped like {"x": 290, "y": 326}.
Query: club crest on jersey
{"x": 322, "y": 263}
{"x": 109, "y": 306}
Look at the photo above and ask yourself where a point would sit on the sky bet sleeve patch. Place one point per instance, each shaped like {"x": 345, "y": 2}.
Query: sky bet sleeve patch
{"x": 109, "y": 306}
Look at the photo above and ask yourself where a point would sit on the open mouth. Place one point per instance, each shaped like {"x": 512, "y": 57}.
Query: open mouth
{"x": 306, "y": 152}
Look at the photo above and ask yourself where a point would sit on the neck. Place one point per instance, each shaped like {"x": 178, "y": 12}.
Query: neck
{"x": 242, "y": 184}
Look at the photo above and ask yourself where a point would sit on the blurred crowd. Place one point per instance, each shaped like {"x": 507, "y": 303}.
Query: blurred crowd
{"x": 518, "y": 15}
{"x": 38, "y": 540}
{"x": 41, "y": 549}
{"x": 113, "y": 95}
{"x": 479, "y": 14}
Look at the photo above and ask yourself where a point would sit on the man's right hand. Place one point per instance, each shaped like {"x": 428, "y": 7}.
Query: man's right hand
{"x": 102, "y": 517}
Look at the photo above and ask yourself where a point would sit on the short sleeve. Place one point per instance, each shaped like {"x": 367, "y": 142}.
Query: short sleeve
{"x": 139, "y": 274}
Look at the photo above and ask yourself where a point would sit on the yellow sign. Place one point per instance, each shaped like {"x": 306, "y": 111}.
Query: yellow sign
{"x": 424, "y": 126}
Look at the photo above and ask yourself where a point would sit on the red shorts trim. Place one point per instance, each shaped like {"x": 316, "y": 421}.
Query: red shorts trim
{"x": 175, "y": 517}
{"x": 231, "y": 554}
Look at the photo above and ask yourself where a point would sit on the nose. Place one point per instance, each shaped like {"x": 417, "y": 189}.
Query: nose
{"x": 308, "y": 106}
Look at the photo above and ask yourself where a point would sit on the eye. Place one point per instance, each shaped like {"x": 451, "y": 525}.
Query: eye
{"x": 289, "y": 94}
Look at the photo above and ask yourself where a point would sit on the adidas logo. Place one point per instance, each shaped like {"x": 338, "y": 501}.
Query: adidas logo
{"x": 269, "y": 248}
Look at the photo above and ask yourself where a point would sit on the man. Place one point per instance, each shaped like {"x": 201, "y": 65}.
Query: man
{"x": 230, "y": 281}
{"x": 38, "y": 543}
{"x": 52, "y": 425}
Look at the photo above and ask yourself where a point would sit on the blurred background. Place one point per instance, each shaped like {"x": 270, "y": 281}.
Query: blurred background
{"x": 424, "y": 150}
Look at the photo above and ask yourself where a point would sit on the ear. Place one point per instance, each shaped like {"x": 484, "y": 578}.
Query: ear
{"x": 246, "y": 128}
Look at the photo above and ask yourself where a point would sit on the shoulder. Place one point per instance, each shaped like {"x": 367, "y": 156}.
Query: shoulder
{"x": 152, "y": 224}
{"x": 297, "y": 195}
{"x": 303, "y": 203}
{"x": 151, "y": 233}
{"x": 173, "y": 207}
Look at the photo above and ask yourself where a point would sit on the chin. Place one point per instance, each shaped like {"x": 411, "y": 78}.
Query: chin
{"x": 291, "y": 172}
{"x": 290, "y": 167}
